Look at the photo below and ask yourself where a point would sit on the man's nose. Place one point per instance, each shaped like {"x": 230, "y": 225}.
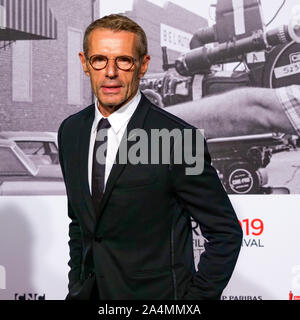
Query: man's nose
{"x": 111, "y": 69}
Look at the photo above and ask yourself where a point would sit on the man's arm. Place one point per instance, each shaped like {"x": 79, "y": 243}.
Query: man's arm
{"x": 289, "y": 98}
{"x": 75, "y": 243}
{"x": 237, "y": 112}
{"x": 204, "y": 198}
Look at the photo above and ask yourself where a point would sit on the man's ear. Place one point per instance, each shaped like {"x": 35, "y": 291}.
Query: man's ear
{"x": 144, "y": 66}
{"x": 84, "y": 63}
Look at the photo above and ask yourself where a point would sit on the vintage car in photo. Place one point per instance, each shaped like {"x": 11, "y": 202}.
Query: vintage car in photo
{"x": 19, "y": 175}
{"x": 41, "y": 147}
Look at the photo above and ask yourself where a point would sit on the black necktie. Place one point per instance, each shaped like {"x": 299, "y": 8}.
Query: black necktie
{"x": 98, "y": 171}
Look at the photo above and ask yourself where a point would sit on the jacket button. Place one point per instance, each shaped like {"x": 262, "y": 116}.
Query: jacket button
{"x": 98, "y": 239}
{"x": 91, "y": 274}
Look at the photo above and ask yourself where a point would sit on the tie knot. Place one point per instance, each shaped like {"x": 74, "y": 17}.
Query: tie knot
{"x": 103, "y": 124}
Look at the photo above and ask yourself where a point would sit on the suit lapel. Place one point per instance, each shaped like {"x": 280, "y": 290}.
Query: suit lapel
{"x": 136, "y": 121}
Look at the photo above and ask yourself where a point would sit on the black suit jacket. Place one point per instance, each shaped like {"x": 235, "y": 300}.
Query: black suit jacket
{"x": 139, "y": 243}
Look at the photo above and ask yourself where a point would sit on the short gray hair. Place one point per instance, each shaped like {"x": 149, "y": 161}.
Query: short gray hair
{"x": 117, "y": 22}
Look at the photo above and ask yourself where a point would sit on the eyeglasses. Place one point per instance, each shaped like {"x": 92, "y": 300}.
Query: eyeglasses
{"x": 99, "y": 62}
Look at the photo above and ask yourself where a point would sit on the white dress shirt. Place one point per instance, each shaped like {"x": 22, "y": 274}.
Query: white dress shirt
{"x": 118, "y": 121}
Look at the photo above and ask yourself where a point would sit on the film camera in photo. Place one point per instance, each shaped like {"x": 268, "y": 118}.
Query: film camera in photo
{"x": 271, "y": 59}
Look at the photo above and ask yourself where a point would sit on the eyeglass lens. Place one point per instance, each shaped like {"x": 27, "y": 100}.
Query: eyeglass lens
{"x": 122, "y": 62}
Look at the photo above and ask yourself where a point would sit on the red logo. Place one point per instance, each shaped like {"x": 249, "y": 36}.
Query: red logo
{"x": 254, "y": 227}
{"x": 292, "y": 297}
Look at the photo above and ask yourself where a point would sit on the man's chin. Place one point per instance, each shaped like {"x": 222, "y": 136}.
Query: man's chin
{"x": 113, "y": 103}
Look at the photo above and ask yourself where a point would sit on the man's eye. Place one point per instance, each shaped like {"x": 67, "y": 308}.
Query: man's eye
{"x": 99, "y": 59}
{"x": 124, "y": 59}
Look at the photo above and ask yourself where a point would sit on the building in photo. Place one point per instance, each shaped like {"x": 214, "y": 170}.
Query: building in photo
{"x": 41, "y": 79}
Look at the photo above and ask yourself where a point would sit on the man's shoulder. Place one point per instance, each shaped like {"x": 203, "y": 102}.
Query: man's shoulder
{"x": 74, "y": 118}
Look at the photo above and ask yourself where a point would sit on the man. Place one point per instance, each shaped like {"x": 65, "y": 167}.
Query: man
{"x": 130, "y": 230}
{"x": 244, "y": 111}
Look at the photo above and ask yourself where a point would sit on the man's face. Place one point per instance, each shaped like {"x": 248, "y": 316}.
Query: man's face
{"x": 112, "y": 86}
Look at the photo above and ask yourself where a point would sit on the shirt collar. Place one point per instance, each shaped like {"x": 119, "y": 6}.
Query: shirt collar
{"x": 119, "y": 117}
